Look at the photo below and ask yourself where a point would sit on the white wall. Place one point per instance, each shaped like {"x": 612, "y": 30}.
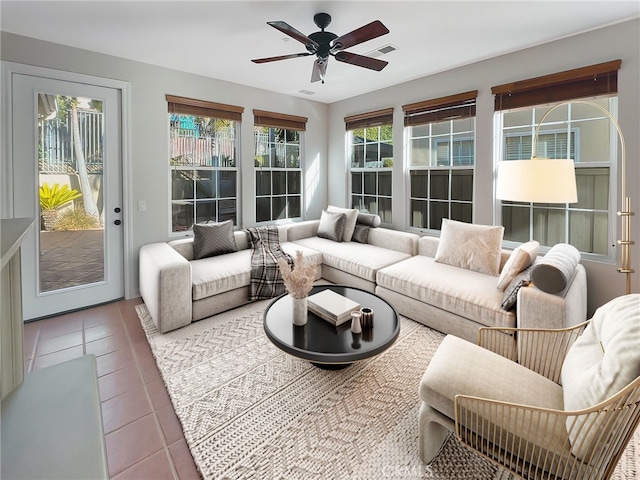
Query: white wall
{"x": 615, "y": 42}
{"x": 149, "y": 131}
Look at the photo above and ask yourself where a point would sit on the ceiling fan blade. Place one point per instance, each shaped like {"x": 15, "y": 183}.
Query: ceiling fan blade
{"x": 372, "y": 30}
{"x": 293, "y": 33}
{"x": 319, "y": 70}
{"x": 281, "y": 57}
{"x": 361, "y": 60}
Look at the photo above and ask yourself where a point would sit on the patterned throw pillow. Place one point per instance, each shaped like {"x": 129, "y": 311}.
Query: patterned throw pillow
{"x": 471, "y": 246}
{"x": 331, "y": 226}
{"x": 510, "y": 297}
{"x": 350, "y": 219}
{"x": 211, "y": 239}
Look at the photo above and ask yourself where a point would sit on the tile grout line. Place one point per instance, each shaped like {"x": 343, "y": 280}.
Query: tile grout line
{"x": 156, "y": 420}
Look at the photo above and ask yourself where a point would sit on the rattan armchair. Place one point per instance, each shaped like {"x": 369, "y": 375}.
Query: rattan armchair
{"x": 529, "y": 437}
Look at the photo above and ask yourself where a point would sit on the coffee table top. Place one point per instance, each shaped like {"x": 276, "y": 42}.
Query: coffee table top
{"x": 319, "y": 341}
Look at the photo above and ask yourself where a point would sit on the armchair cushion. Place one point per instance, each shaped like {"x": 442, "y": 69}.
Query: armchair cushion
{"x": 601, "y": 362}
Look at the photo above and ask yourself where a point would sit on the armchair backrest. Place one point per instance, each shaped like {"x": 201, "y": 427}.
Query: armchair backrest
{"x": 603, "y": 361}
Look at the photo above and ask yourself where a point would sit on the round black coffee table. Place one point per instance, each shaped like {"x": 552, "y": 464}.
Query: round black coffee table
{"x": 322, "y": 343}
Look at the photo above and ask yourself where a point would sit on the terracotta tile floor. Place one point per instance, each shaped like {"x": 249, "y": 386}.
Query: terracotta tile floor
{"x": 143, "y": 435}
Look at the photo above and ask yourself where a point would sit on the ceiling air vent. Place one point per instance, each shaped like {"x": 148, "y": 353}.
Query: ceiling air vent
{"x": 381, "y": 51}
{"x": 306, "y": 92}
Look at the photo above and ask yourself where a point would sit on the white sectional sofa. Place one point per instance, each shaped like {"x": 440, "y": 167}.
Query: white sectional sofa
{"x": 398, "y": 266}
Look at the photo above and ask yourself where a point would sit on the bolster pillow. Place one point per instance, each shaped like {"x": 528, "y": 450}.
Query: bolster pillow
{"x": 553, "y": 272}
{"x": 369, "y": 219}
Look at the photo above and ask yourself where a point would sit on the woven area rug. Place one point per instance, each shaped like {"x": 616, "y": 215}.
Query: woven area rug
{"x": 250, "y": 411}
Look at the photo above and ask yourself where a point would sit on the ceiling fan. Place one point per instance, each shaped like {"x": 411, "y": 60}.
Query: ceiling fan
{"x": 324, "y": 44}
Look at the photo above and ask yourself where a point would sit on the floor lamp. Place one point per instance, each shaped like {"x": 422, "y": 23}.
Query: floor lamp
{"x": 554, "y": 181}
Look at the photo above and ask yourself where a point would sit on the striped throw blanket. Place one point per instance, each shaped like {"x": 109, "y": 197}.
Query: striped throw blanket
{"x": 266, "y": 281}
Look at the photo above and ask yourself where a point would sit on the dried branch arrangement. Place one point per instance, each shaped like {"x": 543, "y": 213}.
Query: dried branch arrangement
{"x": 299, "y": 278}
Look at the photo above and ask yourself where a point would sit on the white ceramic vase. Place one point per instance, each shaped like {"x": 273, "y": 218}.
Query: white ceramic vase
{"x": 299, "y": 310}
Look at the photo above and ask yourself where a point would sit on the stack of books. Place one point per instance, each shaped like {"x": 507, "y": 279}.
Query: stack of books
{"x": 332, "y": 307}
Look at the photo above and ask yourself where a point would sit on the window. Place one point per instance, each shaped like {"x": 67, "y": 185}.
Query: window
{"x": 577, "y": 131}
{"x": 278, "y": 140}
{"x": 203, "y": 143}
{"x": 441, "y": 159}
{"x": 370, "y": 147}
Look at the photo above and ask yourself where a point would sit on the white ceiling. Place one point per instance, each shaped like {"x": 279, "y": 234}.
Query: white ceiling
{"x": 219, "y": 38}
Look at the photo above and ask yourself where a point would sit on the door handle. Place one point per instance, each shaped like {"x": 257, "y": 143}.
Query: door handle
{"x": 117, "y": 222}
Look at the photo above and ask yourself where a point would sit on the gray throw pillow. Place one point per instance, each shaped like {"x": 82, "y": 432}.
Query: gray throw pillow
{"x": 332, "y": 226}
{"x": 510, "y": 297}
{"x": 369, "y": 219}
{"x": 211, "y": 239}
{"x": 553, "y": 272}
{"x": 360, "y": 234}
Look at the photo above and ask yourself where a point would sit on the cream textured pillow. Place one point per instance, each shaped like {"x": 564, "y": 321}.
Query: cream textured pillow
{"x": 601, "y": 362}
{"x": 351, "y": 217}
{"x": 331, "y": 226}
{"x": 470, "y": 246}
{"x": 521, "y": 258}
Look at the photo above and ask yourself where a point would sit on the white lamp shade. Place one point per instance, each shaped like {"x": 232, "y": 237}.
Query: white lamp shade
{"x": 537, "y": 180}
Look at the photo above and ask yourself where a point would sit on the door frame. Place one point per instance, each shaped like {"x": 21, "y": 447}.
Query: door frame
{"x": 6, "y": 163}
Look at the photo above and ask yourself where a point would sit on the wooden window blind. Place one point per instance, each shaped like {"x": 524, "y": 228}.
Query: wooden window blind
{"x": 461, "y": 105}
{"x": 600, "y": 79}
{"x": 369, "y": 119}
{"x": 202, "y": 108}
{"x": 262, "y": 118}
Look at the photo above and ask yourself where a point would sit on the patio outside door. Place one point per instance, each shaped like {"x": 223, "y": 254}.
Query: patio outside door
{"x": 67, "y": 165}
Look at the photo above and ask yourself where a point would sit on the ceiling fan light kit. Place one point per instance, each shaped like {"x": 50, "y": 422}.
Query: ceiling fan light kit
{"x": 324, "y": 44}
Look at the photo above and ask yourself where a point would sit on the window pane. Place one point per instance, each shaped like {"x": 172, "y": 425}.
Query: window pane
{"x": 293, "y": 156}
{"x": 419, "y": 179}
{"x": 594, "y": 138}
{"x": 227, "y": 210}
{"x": 462, "y": 185}
{"x": 263, "y": 183}
{"x": 419, "y": 213}
{"x": 384, "y": 209}
{"x": 279, "y": 182}
{"x": 205, "y": 184}
{"x": 384, "y": 183}
{"x": 593, "y": 188}
{"x": 227, "y": 184}
{"x": 181, "y": 216}
{"x": 516, "y": 223}
{"x": 279, "y": 208}
{"x": 370, "y": 204}
{"x": 356, "y": 182}
{"x": 420, "y": 152}
{"x": 181, "y": 185}
{"x": 588, "y": 231}
{"x": 549, "y": 225}
{"x": 372, "y": 159}
{"x": 293, "y": 182}
{"x": 206, "y": 211}
{"x": 293, "y": 206}
{"x": 441, "y": 128}
{"x": 357, "y": 156}
{"x": 357, "y": 202}
{"x": 440, "y": 184}
{"x": 370, "y": 183}
{"x": 462, "y": 212}
{"x": 437, "y": 211}
{"x": 263, "y": 209}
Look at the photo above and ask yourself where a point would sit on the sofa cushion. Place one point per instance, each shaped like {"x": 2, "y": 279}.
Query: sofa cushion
{"x": 332, "y": 226}
{"x": 553, "y": 272}
{"x": 361, "y": 260}
{"x": 215, "y": 275}
{"x": 470, "y": 246}
{"x": 601, "y": 362}
{"x": 210, "y": 239}
{"x": 462, "y": 292}
{"x": 521, "y": 258}
{"x": 350, "y": 217}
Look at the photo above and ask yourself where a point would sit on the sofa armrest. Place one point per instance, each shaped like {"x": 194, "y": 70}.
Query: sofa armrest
{"x": 538, "y": 309}
{"x": 306, "y": 229}
{"x": 397, "y": 240}
{"x": 165, "y": 286}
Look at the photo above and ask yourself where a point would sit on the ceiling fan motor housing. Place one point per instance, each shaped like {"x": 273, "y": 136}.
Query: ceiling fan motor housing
{"x": 323, "y": 39}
